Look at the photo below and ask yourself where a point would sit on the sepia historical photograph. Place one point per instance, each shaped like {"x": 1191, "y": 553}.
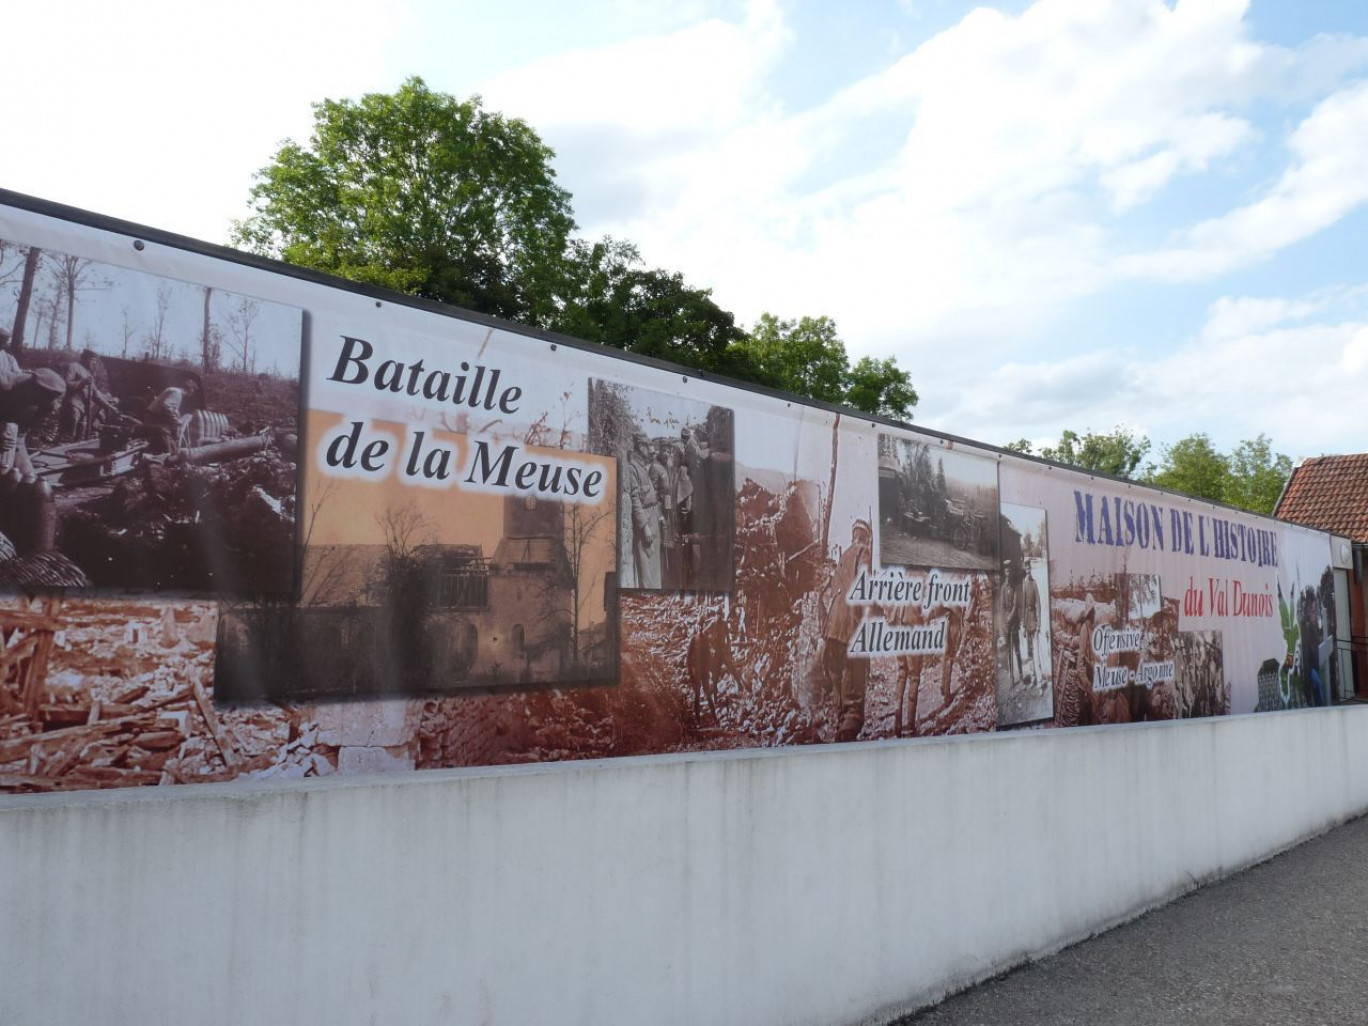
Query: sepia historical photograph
{"x": 1025, "y": 666}
{"x": 676, "y": 486}
{"x": 148, "y": 430}
{"x": 1113, "y": 638}
{"x": 937, "y": 507}
{"x": 1200, "y": 686}
{"x": 408, "y": 590}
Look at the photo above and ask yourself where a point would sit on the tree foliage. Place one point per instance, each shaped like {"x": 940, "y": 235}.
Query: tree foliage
{"x": 880, "y": 386}
{"x": 1193, "y": 466}
{"x": 807, "y": 357}
{"x": 610, "y": 297}
{"x": 430, "y": 195}
{"x": 419, "y": 192}
{"x": 804, "y": 356}
{"x": 1117, "y": 452}
{"x": 1251, "y": 476}
{"x": 1257, "y": 475}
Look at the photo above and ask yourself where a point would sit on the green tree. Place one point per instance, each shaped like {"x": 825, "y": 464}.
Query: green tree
{"x": 608, "y": 296}
{"x": 1193, "y": 466}
{"x": 420, "y": 192}
{"x": 1257, "y": 475}
{"x": 1117, "y": 452}
{"x": 878, "y": 386}
{"x": 807, "y": 357}
{"x": 426, "y": 194}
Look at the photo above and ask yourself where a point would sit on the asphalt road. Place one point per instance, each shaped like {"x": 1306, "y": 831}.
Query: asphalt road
{"x": 1284, "y": 943}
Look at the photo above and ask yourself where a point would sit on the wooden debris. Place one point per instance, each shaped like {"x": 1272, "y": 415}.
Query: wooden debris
{"x": 211, "y": 719}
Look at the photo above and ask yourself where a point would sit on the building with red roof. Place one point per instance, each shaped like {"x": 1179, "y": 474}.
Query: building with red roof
{"x": 1331, "y": 493}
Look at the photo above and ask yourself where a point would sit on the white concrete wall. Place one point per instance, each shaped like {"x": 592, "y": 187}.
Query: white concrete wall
{"x": 819, "y": 886}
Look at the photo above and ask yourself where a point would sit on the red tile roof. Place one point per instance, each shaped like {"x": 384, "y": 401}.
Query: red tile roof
{"x": 1331, "y": 493}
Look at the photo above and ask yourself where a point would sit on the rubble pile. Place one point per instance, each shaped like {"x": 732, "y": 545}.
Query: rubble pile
{"x": 178, "y": 526}
{"x": 126, "y": 699}
{"x": 751, "y": 697}
{"x": 775, "y": 632}
{"x": 544, "y": 726}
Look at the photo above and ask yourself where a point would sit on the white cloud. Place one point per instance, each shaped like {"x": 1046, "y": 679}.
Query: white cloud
{"x": 1192, "y": 148}
{"x": 1327, "y": 179}
{"x": 1294, "y": 368}
{"x": 161, "y": 111}
{"x": 697, "y": 82}
{"x": 968, "y": 190}
{"x": 1233, "y": 317}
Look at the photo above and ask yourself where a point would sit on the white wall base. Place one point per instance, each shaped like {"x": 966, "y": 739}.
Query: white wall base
{"x": 823, "y": 886}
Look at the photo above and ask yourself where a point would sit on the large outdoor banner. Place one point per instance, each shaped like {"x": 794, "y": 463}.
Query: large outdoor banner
{"x": 258, "y": 523}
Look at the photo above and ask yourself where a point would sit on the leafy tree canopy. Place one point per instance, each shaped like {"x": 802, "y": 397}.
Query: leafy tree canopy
{"x": 1257, "y": 475}
{"x": 878, "y": 386}
{"x": 1117, "y": 452}
{"x": 1192, "y": 466}
{"x": 430, "y": 195}
{"x": 804, "y": 356}
{"x": 807, "y": 356}
{"x": 1251, "y": 476}
{"x": 419, "y": 192}
{"x": 608, "y": 296}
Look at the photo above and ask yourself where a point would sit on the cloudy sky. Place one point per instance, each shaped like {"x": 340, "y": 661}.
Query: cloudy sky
{"x": 1066, "y": 213}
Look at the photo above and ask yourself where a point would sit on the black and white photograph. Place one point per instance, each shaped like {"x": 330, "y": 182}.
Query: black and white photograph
{"x": 1200, "y": 687}
{"x": 676, "y": 486}
{"x": 1025, "y": 673}
{"x": 148, "y": 430}
{"x": 937, "y": 507}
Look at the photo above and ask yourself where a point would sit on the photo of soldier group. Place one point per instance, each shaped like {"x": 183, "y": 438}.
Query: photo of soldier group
{"x": 410, "y": 590}
{"x": 937, "y": 507}
{"x": 1025, "y": 668}
{"x": 1199, "y": 681}
{"x": 1113, "y": 637}
{"x": 676, "y": 482}
{"x": 148, "y": 430}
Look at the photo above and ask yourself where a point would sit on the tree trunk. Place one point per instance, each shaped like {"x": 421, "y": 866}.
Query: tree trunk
{"x": 25, "y": 295}
{"x": 205, "y": 355}
{"x": 54, "y": 316}
{"x": 71, "y": 312}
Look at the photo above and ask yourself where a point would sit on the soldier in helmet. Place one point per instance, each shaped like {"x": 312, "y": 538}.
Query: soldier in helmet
{"x": 645, "y": 510}
{"x": 9, "y": 433}
{"x": 27, "y": 398}
{"x": 84, "y": 398}
{"x": 163, "y": 424}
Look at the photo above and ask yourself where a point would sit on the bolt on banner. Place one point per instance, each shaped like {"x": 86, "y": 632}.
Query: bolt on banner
{"x": 455, "y": 542}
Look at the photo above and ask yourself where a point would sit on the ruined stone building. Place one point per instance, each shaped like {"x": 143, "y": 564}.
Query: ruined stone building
{"x": 436, "y": 618}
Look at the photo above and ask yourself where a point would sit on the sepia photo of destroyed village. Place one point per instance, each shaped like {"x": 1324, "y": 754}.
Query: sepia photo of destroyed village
{"x": 150, "y": 429}
{"x": 400, "y": 597}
